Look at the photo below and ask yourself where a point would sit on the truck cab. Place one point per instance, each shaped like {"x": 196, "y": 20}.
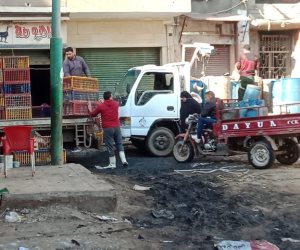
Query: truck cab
{"x": 149, "y": 98}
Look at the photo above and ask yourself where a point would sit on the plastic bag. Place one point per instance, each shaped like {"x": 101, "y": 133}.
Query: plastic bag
{"x": 12, "y": 217}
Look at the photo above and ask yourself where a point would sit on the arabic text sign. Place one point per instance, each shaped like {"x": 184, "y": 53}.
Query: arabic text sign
{"x": 24, "y": 34}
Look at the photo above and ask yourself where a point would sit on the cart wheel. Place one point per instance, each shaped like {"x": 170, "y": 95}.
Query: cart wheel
{"x": 291, "y": 154}
{"x": 261, "y": 155}
{"x": 183, "y": 151}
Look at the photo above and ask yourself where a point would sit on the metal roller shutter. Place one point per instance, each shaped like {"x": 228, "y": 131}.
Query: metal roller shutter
{"x": 217, "y": 65}
{"x": 110, "y": 65}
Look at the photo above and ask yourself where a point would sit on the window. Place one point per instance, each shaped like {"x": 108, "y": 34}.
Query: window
{"x": 275, "y": 55}
{"x": 151, "y": 84}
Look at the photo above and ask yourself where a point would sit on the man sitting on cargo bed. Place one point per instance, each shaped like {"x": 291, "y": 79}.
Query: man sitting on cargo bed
{"x": 75, "y": 65}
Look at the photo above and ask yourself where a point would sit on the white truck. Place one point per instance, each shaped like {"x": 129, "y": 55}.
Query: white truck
{"x": 149, "y": 98}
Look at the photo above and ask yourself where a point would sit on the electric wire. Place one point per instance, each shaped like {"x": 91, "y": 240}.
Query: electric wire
{"x": 231, "y": 8}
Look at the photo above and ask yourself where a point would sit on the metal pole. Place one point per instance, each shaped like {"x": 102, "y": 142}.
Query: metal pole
{"x": 56, "y": 86}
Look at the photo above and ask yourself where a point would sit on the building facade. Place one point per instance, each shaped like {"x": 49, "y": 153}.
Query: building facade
{"x": 271, "y": 27}
{"x": 112, "y": 36}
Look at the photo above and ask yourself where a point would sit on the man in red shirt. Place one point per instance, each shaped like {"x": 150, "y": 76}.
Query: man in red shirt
{"x": 109, "y": 111}
{"x": 248, "y": 67}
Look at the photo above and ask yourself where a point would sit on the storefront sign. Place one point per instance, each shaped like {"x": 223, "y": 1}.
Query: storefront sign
{"x": 25, "y": 34}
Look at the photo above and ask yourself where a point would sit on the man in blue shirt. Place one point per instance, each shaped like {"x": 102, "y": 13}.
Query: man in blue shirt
{"x": 75, "y": 65}
{"x": 208, "y": 114}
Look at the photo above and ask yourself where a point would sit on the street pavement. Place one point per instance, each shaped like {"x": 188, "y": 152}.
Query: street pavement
{"x": 69, "y": 184}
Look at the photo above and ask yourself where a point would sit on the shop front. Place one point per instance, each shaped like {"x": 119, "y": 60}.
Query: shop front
{"x": 31, "y": 39}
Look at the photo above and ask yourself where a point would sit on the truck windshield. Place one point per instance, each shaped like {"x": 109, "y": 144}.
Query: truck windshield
{"x": 124, "y": 87}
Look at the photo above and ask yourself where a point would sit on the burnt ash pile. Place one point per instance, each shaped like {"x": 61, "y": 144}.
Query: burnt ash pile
{"x": 198, "y": 210}
{"x": 204, "y": 210}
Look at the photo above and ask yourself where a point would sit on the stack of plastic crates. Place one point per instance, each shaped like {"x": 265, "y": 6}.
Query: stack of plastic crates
{"x": 77, "y": 91}
{"x": 16, "y": 87}
{"x": 41, "y": 151}
{"x": 42, "y": 157}
{"x": 2, "y": 107}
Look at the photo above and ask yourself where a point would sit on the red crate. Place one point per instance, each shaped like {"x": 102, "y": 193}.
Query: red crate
{"x": 18, "y": 113}
{"x": 20, "y": 100}
{"x": 80, "y": 83}
{"x": 2, "y": 113}
{"x": 16, "y": 76}
{"x": 15, "y": 62}
{"x": 43, "y": 142}
{"x": 77, "y": 108}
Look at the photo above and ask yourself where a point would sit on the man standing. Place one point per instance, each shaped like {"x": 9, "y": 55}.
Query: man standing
{"x": 248, "y": 67}
{"x": 109, "y": 110}
{"x": 75, "y": 65}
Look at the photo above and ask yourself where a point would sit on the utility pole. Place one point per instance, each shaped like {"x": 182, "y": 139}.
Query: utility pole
{"x": 56, "y": 86}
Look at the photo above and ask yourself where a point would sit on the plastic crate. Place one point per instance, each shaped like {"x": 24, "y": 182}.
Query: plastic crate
{"x": 16, "y": 76}
{"x": 18, "y": 113}
{"x": 42, "y": 157}
{"x": 71, "y": 95}
{"x": 41, "y": 111}
{"x": 1, "y": 62}
{"x": 43, "y": 142}
{"x": 12, "y": 100}
{"x": 1, "y": 76}
{"x": 20, "y": 88}
{"x": 80, "y": 83}
{"x": 77, "y": 108}
{"x": 2, "y": 113}
{"x": 1, "y": 100}
{"x": 15, "y": 62}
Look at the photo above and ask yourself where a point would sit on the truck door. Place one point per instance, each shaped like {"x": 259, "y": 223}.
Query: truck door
{"x": 155, "y": 98}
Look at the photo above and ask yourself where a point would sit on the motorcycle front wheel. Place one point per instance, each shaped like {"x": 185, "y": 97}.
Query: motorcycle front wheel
{"x": 183, "y": 151}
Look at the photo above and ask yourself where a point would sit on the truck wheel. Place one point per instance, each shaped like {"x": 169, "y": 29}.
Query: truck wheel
{"x": 261, "y": 155}
{"x": 160, "y": 142}
{"x": 183, "y": 151}
{"x": 292, "y": 152}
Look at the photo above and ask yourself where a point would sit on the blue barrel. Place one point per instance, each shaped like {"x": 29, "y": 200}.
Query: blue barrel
{"x": 252, "y": 92}
{"x": 251, "y": 113}
{"x": 285, "y": 91}
{"x": 234, "y": 89}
